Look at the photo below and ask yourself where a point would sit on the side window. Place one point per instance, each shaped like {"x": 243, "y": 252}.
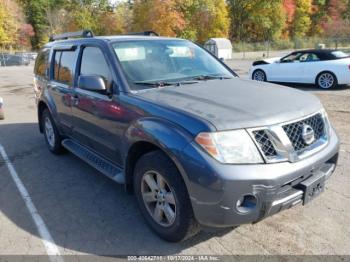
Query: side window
{"x": 64, "y": 67}
{"x": 291, "y": 58}
{"x": 42, "y": 63}
{"x": 313, "y": 58}
{"x": 56, "y": 67}
{"x": 93, "y": 62}
{"x": 304, "y": 57}
{"x": 309, "y": 57}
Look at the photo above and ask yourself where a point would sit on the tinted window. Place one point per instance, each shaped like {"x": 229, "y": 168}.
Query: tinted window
{"x": 291, "y": 58}
{"x": 93, "y": 62}
{"x": 57, "y": 64}
{"x": 42, "y": 63}
{"x": 64, "y": 67}
{"x": 309, "y": 57}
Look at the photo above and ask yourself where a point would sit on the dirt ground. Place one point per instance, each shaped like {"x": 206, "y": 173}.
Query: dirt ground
{"x": 87, "y": 213}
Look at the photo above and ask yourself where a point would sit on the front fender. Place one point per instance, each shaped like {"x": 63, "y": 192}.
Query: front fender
{"x": 164, "y": 134}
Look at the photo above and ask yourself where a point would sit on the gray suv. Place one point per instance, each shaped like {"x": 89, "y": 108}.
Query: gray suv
{"x": 196, "y": 144}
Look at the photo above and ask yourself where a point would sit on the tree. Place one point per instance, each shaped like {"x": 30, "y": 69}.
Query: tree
{"x": 204, "y": 19}
{"x": 289, "y": 7}
{"x": 302, "y": 21}
{"x": 25, "y": 32}
{"x": 161, "y": 16}
{"x": 256, "y": 20}
{"x": 337, "y": 29}
{"x": 346, "y": 13}
{"x": 38, "y": 13}
{"x": 99, "y": 16}
{"x": 338, "y": 24}
{"x": 10, "y": 22}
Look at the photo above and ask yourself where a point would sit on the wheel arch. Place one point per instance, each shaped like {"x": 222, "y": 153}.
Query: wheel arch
{"x": 154, "y": 135}
{"x": 259, "y": 69}
{"x": 326, "y": 71}
{"x": 41, "y": 107}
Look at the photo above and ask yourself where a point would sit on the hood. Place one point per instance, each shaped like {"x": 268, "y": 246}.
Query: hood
{"x": 266, "y": 61}
{"x": 236, "y": 103}
{"x": 272, "y": 60}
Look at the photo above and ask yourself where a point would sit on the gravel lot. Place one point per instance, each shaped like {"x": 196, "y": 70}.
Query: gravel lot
{"x": 87, "y": 213}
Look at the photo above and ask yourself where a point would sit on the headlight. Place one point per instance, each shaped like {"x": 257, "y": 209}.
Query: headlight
{"x": 230, "y": 147}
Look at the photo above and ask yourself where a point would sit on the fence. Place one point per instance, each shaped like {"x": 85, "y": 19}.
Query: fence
{"x": 253, "y": 50}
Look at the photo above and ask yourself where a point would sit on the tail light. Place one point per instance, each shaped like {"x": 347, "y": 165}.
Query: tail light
{"x": 349, "y": 67}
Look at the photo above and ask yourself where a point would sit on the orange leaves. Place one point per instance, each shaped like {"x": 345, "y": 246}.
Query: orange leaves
{"x": 161, "y": 16}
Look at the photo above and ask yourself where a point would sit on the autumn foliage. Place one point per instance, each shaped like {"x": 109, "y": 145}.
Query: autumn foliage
{"x": 31, "y": 22}
{"x": 161, "y": 16}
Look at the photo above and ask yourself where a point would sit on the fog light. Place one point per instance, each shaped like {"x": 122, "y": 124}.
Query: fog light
{"x": 246, "y": 204}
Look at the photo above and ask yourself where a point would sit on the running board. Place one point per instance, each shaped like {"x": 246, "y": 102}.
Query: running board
{"x": 104, "y": 166}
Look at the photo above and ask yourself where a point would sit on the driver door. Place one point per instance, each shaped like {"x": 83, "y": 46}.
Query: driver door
{"x": 288, "y": 69}
{"x": 96, "y": 122}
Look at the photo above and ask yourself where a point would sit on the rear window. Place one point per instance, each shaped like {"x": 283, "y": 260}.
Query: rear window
{"x": 339, "y": 54}
{"x": 64, "y": 66}
{"x": 42, "y": 63}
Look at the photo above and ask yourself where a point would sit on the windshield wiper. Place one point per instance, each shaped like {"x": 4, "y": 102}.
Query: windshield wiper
{"x": 210, "y": 77}
{"x": 155, "y": 84}
{"x": 165, "y": 83}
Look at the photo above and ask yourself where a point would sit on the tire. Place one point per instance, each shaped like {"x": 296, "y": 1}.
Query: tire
{"x": 183, "y": 225}
{"x": 259, "y": 75}
{"x": 326, "y": 80}
{"x": 52, "y": 137}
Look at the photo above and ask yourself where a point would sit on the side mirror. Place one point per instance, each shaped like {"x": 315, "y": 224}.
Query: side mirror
{"x": 91, "y": 83}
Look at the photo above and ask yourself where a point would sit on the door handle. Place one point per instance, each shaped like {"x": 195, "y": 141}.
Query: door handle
{"x": 74, "y": 99}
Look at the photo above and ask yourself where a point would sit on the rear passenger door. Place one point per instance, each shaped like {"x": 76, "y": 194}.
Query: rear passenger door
{"x": 61, "y": 86}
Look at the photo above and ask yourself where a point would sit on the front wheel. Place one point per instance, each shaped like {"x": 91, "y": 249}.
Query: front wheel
{"x": 163, "y": 199}
{"x": 259, "y": 75}
{"x": 326, "y": 80}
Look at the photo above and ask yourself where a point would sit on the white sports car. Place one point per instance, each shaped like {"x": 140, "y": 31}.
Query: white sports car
{"x": 325, "y": 68}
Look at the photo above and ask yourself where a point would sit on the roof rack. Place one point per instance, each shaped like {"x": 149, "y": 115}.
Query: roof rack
{"x": 146, "y": 33}
{"x": 82, "y": 34}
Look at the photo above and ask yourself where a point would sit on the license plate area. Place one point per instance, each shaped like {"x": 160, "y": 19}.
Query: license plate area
{"x": 312, "y": 187}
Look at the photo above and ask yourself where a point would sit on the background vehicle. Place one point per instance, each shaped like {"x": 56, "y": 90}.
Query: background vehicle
{"x": 196, "y": 144}
{"x": 324, "y": 68}
{"x": 27, "y": 55}
{"x": 13, "y": 60}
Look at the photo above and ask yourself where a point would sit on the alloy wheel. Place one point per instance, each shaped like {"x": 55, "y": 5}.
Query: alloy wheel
{"x": 158, "y": 198}
{"x": 259, "y": 76}
{"x": 326, "y": 80}
{"x": 49, "y": 131}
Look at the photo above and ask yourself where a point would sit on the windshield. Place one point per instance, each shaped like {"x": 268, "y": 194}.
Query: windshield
{"x": 339, "y": 54}
{"x": 166, "y": 61}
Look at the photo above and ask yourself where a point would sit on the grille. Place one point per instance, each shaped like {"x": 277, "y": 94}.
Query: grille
{"x": 265, "y": 143}
{"x": 294, "y": 131}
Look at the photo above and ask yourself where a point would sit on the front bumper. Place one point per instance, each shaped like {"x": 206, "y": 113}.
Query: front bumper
{"x": 215, "y": 188}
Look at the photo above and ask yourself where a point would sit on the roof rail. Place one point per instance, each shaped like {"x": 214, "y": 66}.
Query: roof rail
{"x": 82, "y": 34}
{"x": 146, "y": 33}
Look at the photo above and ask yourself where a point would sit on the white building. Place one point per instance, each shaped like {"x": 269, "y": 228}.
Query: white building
{"x": 220, "y": 47}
